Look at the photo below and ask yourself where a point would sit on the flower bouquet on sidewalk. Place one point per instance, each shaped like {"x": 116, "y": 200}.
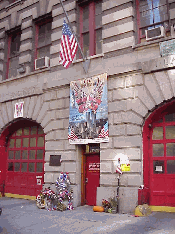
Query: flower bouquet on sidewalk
{"x": 109, "y": 205}
{"x": 106, "y": 204}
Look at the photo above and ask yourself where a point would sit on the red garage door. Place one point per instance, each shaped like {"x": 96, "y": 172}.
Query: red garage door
{"x": 25, "y": 163}
{"x": 162, "y": 161}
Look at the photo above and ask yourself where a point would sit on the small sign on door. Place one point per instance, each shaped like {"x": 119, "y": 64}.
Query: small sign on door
{"x": 38, "y": 181}
{"x": 94, "y": 166}
{"x": 159, "y": 168}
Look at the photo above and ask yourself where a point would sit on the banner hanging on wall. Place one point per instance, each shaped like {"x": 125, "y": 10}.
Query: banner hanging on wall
{"x": 88, "y": 115}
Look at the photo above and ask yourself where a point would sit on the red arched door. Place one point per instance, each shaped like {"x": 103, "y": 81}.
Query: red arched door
{"x": 25, "y": 161}
{"x": 162, "y": 161}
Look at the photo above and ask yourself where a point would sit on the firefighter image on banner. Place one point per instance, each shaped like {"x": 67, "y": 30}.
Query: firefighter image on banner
{"x": 88, "y": 116}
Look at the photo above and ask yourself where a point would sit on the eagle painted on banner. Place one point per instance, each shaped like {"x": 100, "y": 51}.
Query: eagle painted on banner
{"x": 88, "y": 94}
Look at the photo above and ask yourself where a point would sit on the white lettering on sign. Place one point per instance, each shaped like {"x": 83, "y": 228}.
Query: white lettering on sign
{"x": 94, "y": 166}
{"x": 158, "y": 168}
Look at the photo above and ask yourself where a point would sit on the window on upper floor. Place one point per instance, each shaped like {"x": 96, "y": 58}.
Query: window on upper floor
{"x": 13, "y": 54}
{"x": 90, "y": 27}
{"x": 151, "y": 14}
{"x": 43, "y": 38}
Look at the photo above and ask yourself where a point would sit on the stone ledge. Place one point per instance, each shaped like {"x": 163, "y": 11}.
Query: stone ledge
{"x": 152, "y": 43}
{"x": 158, "y": 64}
{"x": 14, "y": 4}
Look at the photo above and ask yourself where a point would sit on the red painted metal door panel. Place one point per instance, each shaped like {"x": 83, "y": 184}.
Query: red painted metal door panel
{"x": 92, "y": 178}
{"x": 3, "y": 161}
{"x": 162, "y": 162}
{"x": 25, "y": 161}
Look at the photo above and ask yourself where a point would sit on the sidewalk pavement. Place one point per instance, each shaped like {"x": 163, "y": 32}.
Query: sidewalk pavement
{"x": 22, "y": 216}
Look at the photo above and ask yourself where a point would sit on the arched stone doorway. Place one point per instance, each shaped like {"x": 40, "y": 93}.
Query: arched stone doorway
{"x": 22, "y": 155}
{"x": 159, "y": 155}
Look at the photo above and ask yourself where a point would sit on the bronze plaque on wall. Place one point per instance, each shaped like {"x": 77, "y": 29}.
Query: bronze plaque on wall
{"x": 55, "y": 160}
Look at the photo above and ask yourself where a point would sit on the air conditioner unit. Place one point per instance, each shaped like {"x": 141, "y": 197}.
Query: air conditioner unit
{"x": 42, "y": 63}
{"x": 155, "y": 33}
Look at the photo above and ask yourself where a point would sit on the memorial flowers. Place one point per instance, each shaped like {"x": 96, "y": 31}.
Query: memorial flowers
{"x": 59, "y": 200}
{"x": 109, "y": 205}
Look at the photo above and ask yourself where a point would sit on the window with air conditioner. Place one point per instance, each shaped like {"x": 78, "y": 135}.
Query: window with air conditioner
{"x": 155, "y": 33}
{"x": 152, "y": 19}
{"x": 43, "y": 43}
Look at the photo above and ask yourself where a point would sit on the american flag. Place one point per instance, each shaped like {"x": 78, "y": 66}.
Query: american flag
{"x": 119, "y": 170}
{"x": 68, "y": 47}
{"x": 72, "y": 135}
{"x": 104, "y": 131}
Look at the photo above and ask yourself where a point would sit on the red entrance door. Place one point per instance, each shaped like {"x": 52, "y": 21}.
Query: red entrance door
{"x": 92, "y": 178}
{"x": 25, "y": 161}
{"x": 162, "y": 161}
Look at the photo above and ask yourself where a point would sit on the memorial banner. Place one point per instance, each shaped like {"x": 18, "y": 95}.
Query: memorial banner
{"x": 88, "y": 114}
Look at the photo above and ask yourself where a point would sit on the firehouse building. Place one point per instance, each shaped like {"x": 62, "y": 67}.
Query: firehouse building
{"x": 130, "y": 47}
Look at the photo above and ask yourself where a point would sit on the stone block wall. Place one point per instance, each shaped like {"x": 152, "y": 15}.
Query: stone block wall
{"x": 125, "y": 118}
{"x": 128, "y": 197}
{"x": 126, "y": 112}
{"x": 55, "y": 124}
{"x": 118, "y": 27}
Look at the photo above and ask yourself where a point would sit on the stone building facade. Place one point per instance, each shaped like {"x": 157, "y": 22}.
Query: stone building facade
{"x": 140, "y": 81}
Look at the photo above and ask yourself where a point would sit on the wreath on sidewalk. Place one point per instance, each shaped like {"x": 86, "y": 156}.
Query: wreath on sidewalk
{"x": 59, "y": 200}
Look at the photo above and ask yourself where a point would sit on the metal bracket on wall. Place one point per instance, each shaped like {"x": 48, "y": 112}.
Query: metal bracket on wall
{"x": 86, "y": 64}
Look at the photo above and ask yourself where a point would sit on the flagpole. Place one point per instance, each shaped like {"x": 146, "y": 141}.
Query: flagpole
{"x": 118, "y": 186}
{"x": 72, "y": 30}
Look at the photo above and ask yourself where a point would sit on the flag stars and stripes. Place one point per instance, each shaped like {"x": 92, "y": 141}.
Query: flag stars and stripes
{"x": 72, "y": 135}
{"x": 68, "y": 47}
{"x": 104, "y": 131}
{"x": 119, "y": 170}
